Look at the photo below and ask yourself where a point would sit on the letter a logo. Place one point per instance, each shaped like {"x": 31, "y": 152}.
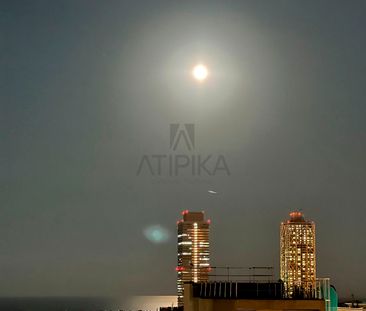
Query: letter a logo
{"x": 180, "y": 133}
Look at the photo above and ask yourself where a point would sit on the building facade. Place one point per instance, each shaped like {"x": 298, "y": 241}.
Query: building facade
{"x": 231, "y": 296}
{"x": 193, "y": 250}
{"x": 298, "y": 255}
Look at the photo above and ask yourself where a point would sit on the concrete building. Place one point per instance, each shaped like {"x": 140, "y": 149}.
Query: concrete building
{"x": 193, "y": 250}
{"x": 231, "y": 296}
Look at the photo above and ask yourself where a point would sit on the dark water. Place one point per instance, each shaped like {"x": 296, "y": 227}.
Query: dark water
{"x": 57, "y": 304}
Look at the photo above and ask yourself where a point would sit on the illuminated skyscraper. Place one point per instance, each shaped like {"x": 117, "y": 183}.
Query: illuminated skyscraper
{"x": 298, "y": 258}
{"x": 193, "y": 250}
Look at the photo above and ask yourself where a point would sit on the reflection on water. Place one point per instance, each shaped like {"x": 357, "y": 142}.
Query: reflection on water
{"x": 150, "y": 302}
{"x": 86, "y": 304}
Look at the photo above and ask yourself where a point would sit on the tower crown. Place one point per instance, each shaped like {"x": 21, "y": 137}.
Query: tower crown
{"x": 296, "y": 216}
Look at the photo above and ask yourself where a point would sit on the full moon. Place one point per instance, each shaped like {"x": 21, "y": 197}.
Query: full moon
{"x": 200, "y": 72}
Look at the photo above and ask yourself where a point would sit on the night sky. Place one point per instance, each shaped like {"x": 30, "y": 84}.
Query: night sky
{"x": 90, "y": 87}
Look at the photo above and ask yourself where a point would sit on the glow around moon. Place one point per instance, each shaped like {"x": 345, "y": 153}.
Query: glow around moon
{"x": 200, "y": 72}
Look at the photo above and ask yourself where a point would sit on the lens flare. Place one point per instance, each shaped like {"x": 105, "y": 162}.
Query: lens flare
{"x": 156, "y": 234}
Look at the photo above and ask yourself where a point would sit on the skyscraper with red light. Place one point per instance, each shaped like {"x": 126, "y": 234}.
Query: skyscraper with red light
{"x": 298, "y": 257}
{"x": 193, "y": 250}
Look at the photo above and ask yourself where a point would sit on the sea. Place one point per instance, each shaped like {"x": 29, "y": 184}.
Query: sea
{"x": 134, "y": 303}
